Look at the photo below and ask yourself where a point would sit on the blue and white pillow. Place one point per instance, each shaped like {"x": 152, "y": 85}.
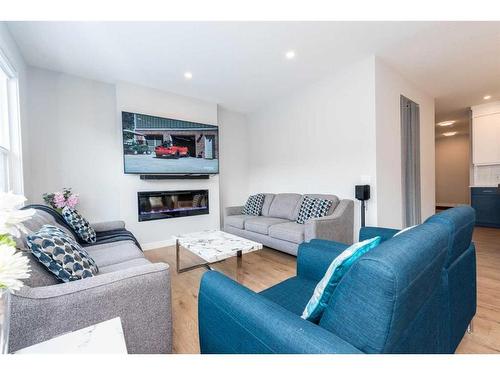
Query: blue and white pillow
{"x": 79, "y": 224}
{"x": 338, "y": 268}
{"x": 62, "y": 255}
{"x": 405, "y": 230}
{"x": 254, "y": 205}
{"x": 312, "y": 208}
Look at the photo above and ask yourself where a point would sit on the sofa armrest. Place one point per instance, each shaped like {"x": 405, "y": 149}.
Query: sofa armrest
{"x": 234, "y": 210}
{"x": 105, "y": 226}
{"x": 234, "y": 320}
{"x": 336, "y": 227}
{"x": 314, "y": 258}
{"x": 370, "y": 232}
{"x": 140, "y": 296}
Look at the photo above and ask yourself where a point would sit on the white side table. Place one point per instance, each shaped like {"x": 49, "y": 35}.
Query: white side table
{"x": 103, "y": 338}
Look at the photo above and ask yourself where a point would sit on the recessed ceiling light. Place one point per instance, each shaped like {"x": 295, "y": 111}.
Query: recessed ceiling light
{"x": 449, "y": 134}
{"x": 445, "y": 123}
{"x": 290, "y": 55}
{"x": 486, "y": 97}
{"x": 188, "y": 75}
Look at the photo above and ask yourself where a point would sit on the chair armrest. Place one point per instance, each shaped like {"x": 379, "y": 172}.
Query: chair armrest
{"x": 336, "y": 227}
{"x": 140, "y": 296}
{"x": 314, "y": 257}
{"x": 370, "y": 232}
{"x": 105, "y": 226}
{"x": 234, "y": 320}
{"x": 234, "y": 210}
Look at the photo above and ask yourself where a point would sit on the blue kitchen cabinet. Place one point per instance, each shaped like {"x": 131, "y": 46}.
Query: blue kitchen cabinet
{"x": 486, "y": 202}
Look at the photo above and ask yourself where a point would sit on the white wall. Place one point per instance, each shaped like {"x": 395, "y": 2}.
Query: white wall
{"x": 452, "y": 170}
{"x": 234, "y": 148}
{"x": 133, "y": 98}
{"x": 320, "y": 139}
{"x": 75, "y": 139}
{"x": 389, "y": 87}
{"x": 9, "y": 49}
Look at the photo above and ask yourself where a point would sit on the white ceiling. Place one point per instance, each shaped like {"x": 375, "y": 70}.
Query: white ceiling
{"x": 241, "y": 65}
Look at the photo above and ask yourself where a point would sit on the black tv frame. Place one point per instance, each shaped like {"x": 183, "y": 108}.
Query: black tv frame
{"x": 170, "y": 175}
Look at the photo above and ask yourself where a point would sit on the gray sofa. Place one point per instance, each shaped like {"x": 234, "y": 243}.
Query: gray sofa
{"x": 277, "y": 227}
{"x": 127, "y": 286}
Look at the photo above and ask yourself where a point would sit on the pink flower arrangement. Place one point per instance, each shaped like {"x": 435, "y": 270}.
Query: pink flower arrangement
{"x": 59, "y": 200}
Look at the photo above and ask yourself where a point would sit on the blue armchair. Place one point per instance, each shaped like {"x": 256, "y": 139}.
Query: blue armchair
{"x": 402, "y": 297}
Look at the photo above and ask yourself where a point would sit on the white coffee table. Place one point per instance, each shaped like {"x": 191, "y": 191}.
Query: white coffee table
{"x": 212, "y": 246}
{"x": 102, "y": 338}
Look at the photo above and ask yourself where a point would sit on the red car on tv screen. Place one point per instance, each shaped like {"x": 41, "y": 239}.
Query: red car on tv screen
{"x": 167, "y": 150}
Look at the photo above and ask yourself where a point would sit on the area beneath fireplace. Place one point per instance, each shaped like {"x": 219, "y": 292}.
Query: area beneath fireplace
{"x": 156, "y": 205}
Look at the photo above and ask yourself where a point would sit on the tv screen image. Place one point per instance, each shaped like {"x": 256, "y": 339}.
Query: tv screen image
{"x": 157, "y": 145}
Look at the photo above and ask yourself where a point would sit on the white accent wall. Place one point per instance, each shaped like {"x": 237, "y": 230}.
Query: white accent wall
{"x": 320, "y": 139}
{"x": 75, "y": 141}
{"x": 234, "y": 157}
{"x": 389, "y": 87}
{"x": 340, "y": 132}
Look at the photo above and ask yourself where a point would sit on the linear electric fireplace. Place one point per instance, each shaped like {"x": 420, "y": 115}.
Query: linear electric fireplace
{"x": 155, "y": 205}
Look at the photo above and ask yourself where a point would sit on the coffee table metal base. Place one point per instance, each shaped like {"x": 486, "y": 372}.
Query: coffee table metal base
{"x": 239, "y": 255}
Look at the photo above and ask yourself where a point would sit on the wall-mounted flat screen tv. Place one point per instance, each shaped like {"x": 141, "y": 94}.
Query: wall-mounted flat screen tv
{"x": 157, "y": 145}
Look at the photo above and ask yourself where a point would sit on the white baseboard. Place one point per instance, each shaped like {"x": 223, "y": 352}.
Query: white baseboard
{"x": 158, "y": 244}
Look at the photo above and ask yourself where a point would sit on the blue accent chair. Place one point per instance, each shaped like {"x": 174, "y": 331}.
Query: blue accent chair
{"x": 414, "y": 293}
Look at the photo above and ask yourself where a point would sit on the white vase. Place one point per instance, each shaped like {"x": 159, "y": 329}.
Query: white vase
{"x": 4, "y": 320}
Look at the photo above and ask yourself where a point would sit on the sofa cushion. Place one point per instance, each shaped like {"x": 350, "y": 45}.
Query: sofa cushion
{"x": 254, "y": 204}
{"x": 312, "y": 208}
{"x": 460, "y": 223}
{"x": 261, "y": 224}
{"x": 237, "y": 221}
{"x": 391, "y": 291}
{"x": 267, "y": 203}
{"x": 285, "y": 206}
{"x": 35, "y": 223}
{"x": 124, "y": 265}
{"x": 292, "y": 294}
{"x": 79, "y": 224}
{"x": 112, "y": 253}
{"x": 290, "y": 231}
{"x": 334, "y": 274}
{"x": 62, "y": 256}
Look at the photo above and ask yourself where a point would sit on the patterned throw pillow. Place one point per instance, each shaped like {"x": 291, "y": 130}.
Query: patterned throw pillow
{"x": 254, "y": 205}
{"x": 313, "y": 208}
{"x": 62, "y": 256}
{"x": 334, "y": 274}
{"x": 80, "y": 225}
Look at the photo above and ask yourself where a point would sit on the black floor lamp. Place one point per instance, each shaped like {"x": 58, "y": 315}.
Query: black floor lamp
{"x": 362, "y": 194}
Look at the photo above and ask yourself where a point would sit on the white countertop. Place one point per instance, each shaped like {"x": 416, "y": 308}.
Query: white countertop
{"x": 103, "y": 338}
{"x": 485, "y": 185}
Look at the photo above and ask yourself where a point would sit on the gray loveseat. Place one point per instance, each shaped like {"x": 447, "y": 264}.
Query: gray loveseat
{"x": 277, "y": 227}
{"x": 127, "y": 286}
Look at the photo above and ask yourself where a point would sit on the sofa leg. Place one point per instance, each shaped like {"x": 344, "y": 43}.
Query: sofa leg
{"x": 470, "y": 328}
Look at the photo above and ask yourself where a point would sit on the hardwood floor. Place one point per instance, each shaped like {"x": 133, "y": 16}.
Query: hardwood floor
{"x": 267, "y": 267}
{"x": 259, "y": 270}
{"x": 485, "y": 337}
